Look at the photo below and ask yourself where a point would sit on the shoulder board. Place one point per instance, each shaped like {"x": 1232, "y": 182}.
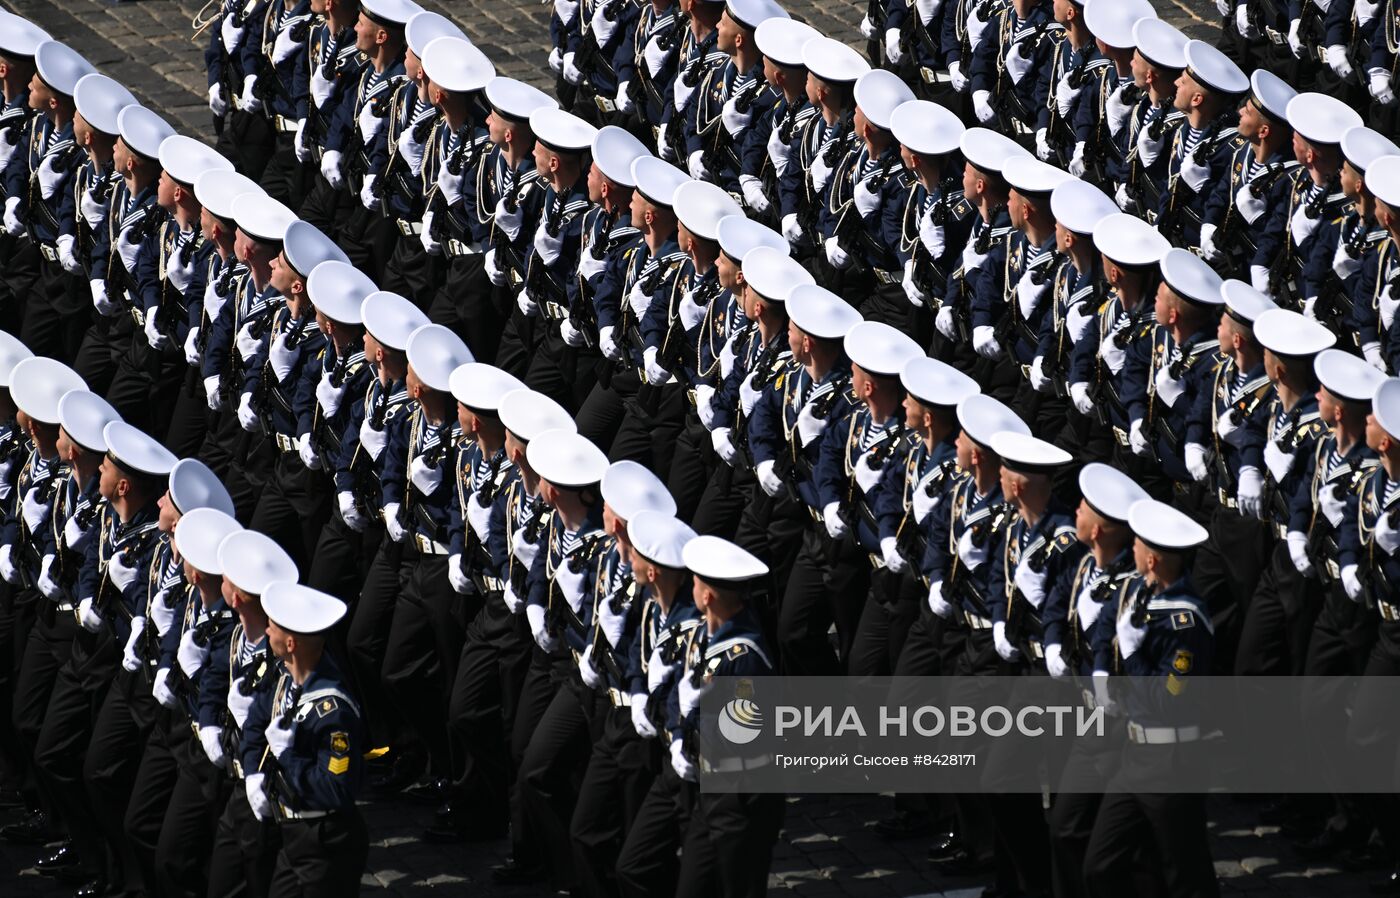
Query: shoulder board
{"x": 1176, "y": 607}
{"x": 735, "y": 647}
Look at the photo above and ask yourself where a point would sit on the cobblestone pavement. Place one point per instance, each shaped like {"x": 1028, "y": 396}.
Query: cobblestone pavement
{"x": 828, "y": 846}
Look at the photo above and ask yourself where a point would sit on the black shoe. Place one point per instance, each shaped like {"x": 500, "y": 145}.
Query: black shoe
{"x": 513, "y": 874}
{"x": 403, "y": 773}
{"x": 34, "y": 829}
{"x": 63, "y": 858}
{"x": 904, "y": 825}
{"x": 1326, "y": 844}
{"x": 961, "y": 863}
{"x": 93, "y": 888}
{"x": 943, "y": 845}
{"x": 428, "y": 790}
{"x": 1388, "y": 886}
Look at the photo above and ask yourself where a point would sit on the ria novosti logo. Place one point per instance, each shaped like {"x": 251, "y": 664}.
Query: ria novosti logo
{"x": 741, "y": 721}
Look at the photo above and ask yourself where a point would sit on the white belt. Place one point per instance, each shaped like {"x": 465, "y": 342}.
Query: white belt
{"x": 1162, "y": 735}
{"x": 409, "y": 228}
{"x": 735, "y": 765}
{"x": 284, "y": 125}
{"x": 48, "y": 252}
{"x": 427, "y": 546}
{"x": 289, "y": 814}
{"x": 458, "y": 248}
{"x": 1389, "y": 613}
{"x": 977, "y": 621}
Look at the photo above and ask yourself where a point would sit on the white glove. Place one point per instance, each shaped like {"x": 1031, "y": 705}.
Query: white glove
{"x": 1005, "y": 649}
{"x": 192, "y": 353}
{"x": 191, "y": 655}
{"x": 131, "y": 663}
{"x": 1194, "y": 173}
{"x": 936, "y": 603}
{"x": 1130, "y": 638}
{"x": 218, "y": 100}
{"x": 893, "y": 560}
{"x": 279, "y": 737}
{"x": 350, "y": 512}
{"x": 556, "y": 61}
{"x": 772, "y": 484}
{"x": 249, "y": 101}
{"x": 258, "y": 802}
{"x": 837, "y": 256}
{"x": 1294, "y": 43}
{"x": 792, "y": 229}
{"x": 1372, "y": 353}
{"x": 309, "y": 458}
{"x": 120, "y": 575}
{"x": 424, "y": 476}
{"x": 247, "y": 418}
{"x": 431, "y": 245}
{"x": 13, "y": 225}
{"x": 867, "y": 28}
{"x": 1031, "y": 584}
{"x": 303, "y": 152}
{"x": 1332, "y": 506}
{"x": 1298, "y": 551}
{"x": 70, "y": 263}
{"x": 7, "y": 564}
{"x": 392, "y": 526}
{"x": 754, "y": 197}
{"x": 1042, "y": 145}
{"x": 212, "y": 397}
{"x": 46, "y": 584}
{"x": 1039, "y": 382}
{"x": 330, "y": 169}
{"x": 1387, "y": 537}
{"x": 1337, "y": 59}
{"x": 1124, "y": 199}
{"x": 513, "y": 601}
{"x": 161, "y": 688}
{"x": 212, "y": 740}
{"x": 1278, "y": 462}
{"x": 493, "y": 272}
{"x": 640, "y": 722}
{"x": 91, "y": 620}
{"x": 696, "y": 166}
{"x": 1055, "y": 662}
{"x": 367, "y": 197}
{"x": 623, "y": 101}
{"x": 34, "y": 510}
{"x": 460, "y": 582}
{"x": 916, "y": 297}
{"x": 972, "y": 555}
{"x": 94, "y": 213}
{"x": 543, "y": 638}
{"x": 663, "y": 147}
{"x": 655, "y": 373}
{"x": 1380, "y": 88}
{"x": 680, "y": 763}
{"x": 1351, "y": 582}
{"x": 1209, "y": 252}
{"x": 724, "y": 445}
{"x": 157, "y": 340}
{"x": 892, "y": 51}
{"x": 285, "y": 46}
{"x": 607, "y": 344}
{"x": 527, "y": 306}
{"x": 955, "y": 76}
{"x": 1251, "y": 491}
{"x": 1196, "y": 462}
{"x": 984, "y": 340}
{"x": 1079, "y": 395}
{"x": 572, "y": 335}
{"x": 1224, "y": 6}
{"x": 835, "y": 527}
{"x": 809, "y": 426}
{"x": 1242, "y": 23}
{"x": 1137, "y": 441}
{"x": 571, "y": 72}
{"x": 586, "y": 671}
{"x": 945, "y": 322}
{"x": 982, "y": 105}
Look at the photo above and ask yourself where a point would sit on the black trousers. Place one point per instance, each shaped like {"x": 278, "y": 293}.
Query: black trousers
{"x": 467, "y": 304}
{"x": 322, "y": 858}
{"x": 240, "y": 863}
{"x": 562, "y": 372}
{"x": 729, "y": 845}
{"x": 424, "y": 643}
{"x": 600, "y": 416}
{"x": 828, "y": 584}
{"x": 367, "y": 641}
{"x": 890, "y": 610}
{"x": 150, "y": 794}
{"x": 293, "y": 508}
{"x": 415, "y": 275}
{"x": 1174, "y": 826}
{"x": 119, "y": 737}
{"x": 693, "y": 465}
{"x": 549, "y": 773}
{"x": 191, "y": 819}
{"x": 651, "y": 425}
{"x": 647, "y": 864}
{"x": 284, "y": 178}
{"x": 101, "y": 349}
{"x": 1226, "y": 571}
{"x": 483, "y": 707}
{"x": 727, "y": 492}
{"x": 342, "y": 559}
{"x": 56, "y": 313}
{"x": 190, "y": 418}
{"x": 367, "y": 237}
{"x": 68, "y": 723}
{"x": 247, "y": 141}
{"x": 20, "y": 261}
{"x": 146, "y": 382}
{"x": 1340, "y": 647}
{"x": 614, "y": 787}
{"x": 1086, "y": 774}
{"x": 325, "y": 207}
{"x": 46, "y": 649}
{"x": 536, "y": 694}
